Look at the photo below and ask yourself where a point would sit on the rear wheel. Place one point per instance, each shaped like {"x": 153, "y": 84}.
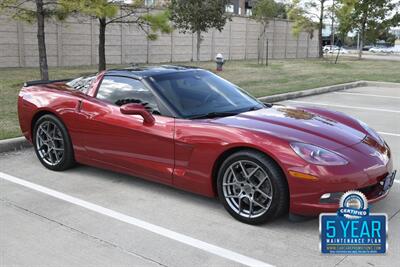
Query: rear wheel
{"x": 52, "y": 144}
{"x": 252, "y": 187}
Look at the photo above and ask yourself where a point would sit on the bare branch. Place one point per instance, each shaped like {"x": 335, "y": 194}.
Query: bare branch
{"x": 118, "y": 19}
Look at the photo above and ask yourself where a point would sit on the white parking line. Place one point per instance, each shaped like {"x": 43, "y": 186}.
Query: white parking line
{"x": 343, "y": 106}
{"x": 397, "y": 181}
{"x": 390, "y": 134}
{"x": 213, "y": 249}
{"x": 362, "y": 94}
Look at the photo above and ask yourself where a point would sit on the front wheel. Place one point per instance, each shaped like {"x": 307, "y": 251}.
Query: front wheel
{"x": 52, "y": 144}
{"x": 252, "y": 187}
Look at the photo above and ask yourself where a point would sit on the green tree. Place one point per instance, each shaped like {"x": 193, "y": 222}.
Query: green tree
{"x": 367, "y": 15}
{"x": 343, "y": 15}
{"x": 307, "y": 16}
{"x": 263, "y": 12}
{"x": 282, "y": 10}
{"x": 379, "y": 32}
{"x": 197, "y": 16}
{"x": 39, "y": 11}
{"x": 116, "y": 11}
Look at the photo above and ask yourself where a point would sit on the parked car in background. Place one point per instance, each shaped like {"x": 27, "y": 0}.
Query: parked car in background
{"x": 328, "y": 48}
{"x": 389, "y": 50}
{"x": 367, "y": 47}
{"x": 377, "y": 49}
{"x": 334, "y": 49}
{"x": 337, "y": 50}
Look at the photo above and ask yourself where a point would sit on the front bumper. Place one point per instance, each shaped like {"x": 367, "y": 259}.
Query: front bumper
{"x": 364, "y": 173}
{"x": 312, "y": 204}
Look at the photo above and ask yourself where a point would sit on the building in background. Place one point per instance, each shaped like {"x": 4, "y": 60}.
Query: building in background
{"x": 395, "y": 31}
{"x": 397, "y": 46}
{"x": 241, "y": 7}
{"x": 158, "y": 3}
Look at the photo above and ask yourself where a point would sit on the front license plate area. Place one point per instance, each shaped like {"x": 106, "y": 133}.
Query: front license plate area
{"x": 388, "y": 182}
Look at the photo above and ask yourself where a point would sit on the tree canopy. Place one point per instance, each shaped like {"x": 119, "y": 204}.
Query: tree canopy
{"x": 368, "y": 17}
{"x": 308, "y": 15}
{"x": 265, "y": 10}
{"x": 116, "y": 11}
{"x": 26, "y": 10}
{"x": 39, "y": 11}
{"x": 196, "y": 16}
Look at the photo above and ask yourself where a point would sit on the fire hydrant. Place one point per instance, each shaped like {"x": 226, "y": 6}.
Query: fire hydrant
{"x": 219, "y": 59}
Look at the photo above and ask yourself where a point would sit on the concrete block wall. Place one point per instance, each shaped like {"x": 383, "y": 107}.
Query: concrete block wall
{"x": 9, "y": 48}
{"x": 252, "y": 35}
{"x": 75, "y": 42}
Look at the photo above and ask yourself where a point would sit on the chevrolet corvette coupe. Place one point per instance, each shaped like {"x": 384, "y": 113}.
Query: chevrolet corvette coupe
{"x": 191, "y": 129}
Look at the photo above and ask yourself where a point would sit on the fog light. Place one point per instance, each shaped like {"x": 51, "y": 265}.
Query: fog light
{"x": 331, "y": 197}
{"x": 326, "y": 196}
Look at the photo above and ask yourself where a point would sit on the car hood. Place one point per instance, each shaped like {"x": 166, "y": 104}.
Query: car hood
{"x": 296, "y": 124}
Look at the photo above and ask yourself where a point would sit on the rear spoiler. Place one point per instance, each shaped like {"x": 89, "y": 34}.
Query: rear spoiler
{"x": 37, "y": 82}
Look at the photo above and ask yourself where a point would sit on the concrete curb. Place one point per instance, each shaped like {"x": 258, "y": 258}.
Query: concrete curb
{"x": 13, "y": 144}
{"x": 384, "y": 84}
{"x": 310, "y": 92}
{"x": 325, "y": 89}
{"x": 19, "y": 143}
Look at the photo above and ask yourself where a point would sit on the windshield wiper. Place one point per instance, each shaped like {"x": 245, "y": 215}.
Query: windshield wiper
{"x": 253, "y": 108}
{"x": 214, "y": 115}
{"x": 256, "y": 108}
{"x": 268, "y": 105}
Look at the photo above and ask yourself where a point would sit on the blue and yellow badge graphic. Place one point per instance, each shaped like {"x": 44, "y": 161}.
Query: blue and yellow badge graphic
{"x": 353, "y": 230}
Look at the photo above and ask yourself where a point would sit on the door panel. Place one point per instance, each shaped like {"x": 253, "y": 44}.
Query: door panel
{"x": 124, "y": 141}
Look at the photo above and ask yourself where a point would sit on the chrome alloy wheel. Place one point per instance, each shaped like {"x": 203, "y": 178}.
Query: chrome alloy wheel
{"x": 50, "y": 143}
{"x": 247, "y": 189}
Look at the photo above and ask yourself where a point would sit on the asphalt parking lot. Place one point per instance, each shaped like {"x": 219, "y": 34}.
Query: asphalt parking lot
{"x": 125, "y": 221}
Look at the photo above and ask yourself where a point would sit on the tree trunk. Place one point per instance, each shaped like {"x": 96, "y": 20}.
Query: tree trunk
{"x": 198, "y": 33}
{"x": 360, "y": 49}
{"x": 333, "y": 25}
{"x": 262, "y": 42}
{"x": 320, "y": 28}
{"x": 44, "y": 69}
{"x": 362, "y": 39}
{"x": 242, "y": 6}
{"x": 102, "y": 44}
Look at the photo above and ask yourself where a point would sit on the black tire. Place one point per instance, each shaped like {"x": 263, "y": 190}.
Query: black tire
{"x": 63, "y": 162}
{"x": 278, "y": 188}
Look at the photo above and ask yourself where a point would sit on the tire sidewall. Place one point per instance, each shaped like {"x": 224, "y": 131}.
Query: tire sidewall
{"x": 68, "y": 158}
{"x": 275, "y": 175}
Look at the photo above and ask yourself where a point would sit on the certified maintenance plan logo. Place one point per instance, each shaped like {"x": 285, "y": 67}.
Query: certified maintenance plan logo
{"x": 353, "y": 230}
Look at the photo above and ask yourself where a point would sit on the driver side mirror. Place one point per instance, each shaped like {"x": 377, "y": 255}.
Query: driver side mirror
{"x": 138, "y": 109}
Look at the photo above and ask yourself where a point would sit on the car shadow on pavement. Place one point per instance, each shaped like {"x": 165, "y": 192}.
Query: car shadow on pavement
{"x": 212, "y": 205}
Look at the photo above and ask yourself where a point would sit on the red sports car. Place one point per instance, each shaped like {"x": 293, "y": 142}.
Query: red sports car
{"x": 191, "y": 129}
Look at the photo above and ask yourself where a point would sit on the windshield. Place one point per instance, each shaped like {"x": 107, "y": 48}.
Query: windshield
{"x": 197, "y": 93}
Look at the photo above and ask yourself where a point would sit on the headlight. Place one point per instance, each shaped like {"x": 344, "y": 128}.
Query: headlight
{"x": 317, "y": 155}
{"x": 372, "y": 132}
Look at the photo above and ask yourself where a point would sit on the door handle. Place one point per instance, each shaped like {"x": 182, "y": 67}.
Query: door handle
{"x": 79, "y": 106}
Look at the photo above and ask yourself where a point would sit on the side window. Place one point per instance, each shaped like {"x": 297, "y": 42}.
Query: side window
{"x": 123, "y": 90}
{"x": 82, "y": 84}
